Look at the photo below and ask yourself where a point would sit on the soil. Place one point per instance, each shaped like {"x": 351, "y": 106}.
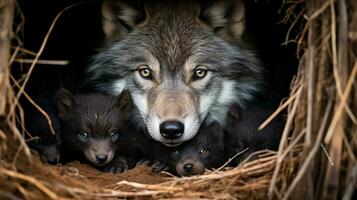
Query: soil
{"x": 62, "y": 178}
{"x": 139, "y": 174}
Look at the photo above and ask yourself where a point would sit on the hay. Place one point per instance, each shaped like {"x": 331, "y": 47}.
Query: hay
{"x": 317, "y": 155}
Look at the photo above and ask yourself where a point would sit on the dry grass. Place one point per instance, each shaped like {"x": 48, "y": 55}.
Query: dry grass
{"x": 317, "y": 154}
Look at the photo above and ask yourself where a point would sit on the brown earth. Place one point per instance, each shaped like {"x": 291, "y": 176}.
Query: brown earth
{"x": 60, "y": 179}
{"x": 139, "y": 174}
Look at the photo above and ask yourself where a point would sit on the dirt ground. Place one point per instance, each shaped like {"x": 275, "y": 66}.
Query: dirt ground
{"x": 62, "y": 177}
{"x": 85, "y": 172}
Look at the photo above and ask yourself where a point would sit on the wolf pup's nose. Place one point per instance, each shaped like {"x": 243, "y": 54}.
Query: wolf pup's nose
{"x": 172, "y": 129}
{"x": 52, "y": 161}
{"x": 188, "y": 168}
{"x": 101, "y": 158}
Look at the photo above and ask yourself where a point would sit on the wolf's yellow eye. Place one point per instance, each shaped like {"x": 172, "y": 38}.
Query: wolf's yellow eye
{"x": 145, "y": 72}
{"x": 199, "y": 73}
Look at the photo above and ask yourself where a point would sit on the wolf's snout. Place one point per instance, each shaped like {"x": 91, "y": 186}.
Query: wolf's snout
{"x": 101, "y": 158}
{"x": 172, "y": 129}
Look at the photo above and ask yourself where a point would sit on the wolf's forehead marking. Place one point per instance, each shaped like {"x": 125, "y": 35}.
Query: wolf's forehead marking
{"x": 96, "y": 115}
{"x": 172, "y": 43}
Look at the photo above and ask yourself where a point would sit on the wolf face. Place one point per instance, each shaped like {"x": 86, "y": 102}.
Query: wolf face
{"x": 92, "y": 126}
{"x": 182, "y": 61}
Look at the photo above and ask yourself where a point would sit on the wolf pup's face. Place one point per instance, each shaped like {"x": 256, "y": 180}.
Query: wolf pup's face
{"x": 46, "y": 143}
{"x": 92, "y": 125}
{"x": 180, "y": 60}
{"x": 47, "y": 148}
{"x": 205, "y": 150}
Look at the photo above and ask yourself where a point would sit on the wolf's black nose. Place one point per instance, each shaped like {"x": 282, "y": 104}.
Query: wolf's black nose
{"x": 172, "y": 129}
{"x": 101, "y": 158}
{"x": 188, "y": 167}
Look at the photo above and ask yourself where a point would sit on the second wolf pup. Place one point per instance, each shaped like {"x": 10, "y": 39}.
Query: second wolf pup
{"x": 243, "y": 136}
{"x": 44, "y": 142}
{"x": 204, "y": 151}
{"x": 92, "y": 126}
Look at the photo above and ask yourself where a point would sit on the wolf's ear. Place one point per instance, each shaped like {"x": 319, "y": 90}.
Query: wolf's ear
{"x": 226, "y": 18}
{"x": 120, "y": 17}
{"x": 65, "y": 103}
{"x": 217, "y": 133}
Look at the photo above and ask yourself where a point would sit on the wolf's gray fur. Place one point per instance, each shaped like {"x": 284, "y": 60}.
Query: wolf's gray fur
{"x": 172, "y": 38}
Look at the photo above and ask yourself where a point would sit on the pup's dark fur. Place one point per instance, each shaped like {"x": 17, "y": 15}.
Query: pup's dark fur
{"x": 44, "y": 142}
{"x": 204, "y": 151}
{"x": 243, "y": 135}
{"x": 92, "y": 128}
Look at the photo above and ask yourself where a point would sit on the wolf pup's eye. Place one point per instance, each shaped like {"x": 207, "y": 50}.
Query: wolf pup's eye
{"x": 199, "y": 73}
{"x": 37, "y": 140}
{"x": 114, "y": 135}
{"x": 145, "y": 72}
{"x": 203, "y": 151}
{"x": 83, "y": 135}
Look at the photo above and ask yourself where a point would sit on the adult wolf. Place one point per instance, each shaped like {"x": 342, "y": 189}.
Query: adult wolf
{"x": 182, "y": 61}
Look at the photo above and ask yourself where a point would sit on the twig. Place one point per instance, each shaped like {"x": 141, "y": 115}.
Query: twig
{"x": 292, "y": 144}
{"x": 31, "y": 180}
{"x": 42, "y": 62}
{"x": 23, "y": 145}
{"x": 26, "y": 51}
{"x": 277, "y": 111}
{"x": 6, "y": 20}
{"x": 292, "y": 26}
{"x": 319, "y": 11}
{"x": 150, "y": 187}
{"x": 312, "y": 153}
{"x": 39, "y": 53}
{"x": 283, "y": 141}
{"x": 49, "y": 121}
{"x": 230, "y": 159}
{"x": 349, "y": 149}
{"x": 341, "y": 105}
{"x": 8, "y": 195}
{"x": 351, "y": 183}
{"x": 311, "y": 79}
{"x": 326, "y": 153}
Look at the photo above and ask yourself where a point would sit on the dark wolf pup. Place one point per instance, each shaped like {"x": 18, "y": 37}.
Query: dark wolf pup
{"x": 92, "y": 127}
{"x": 243, "y": 135}
{"x": 204, "y": 151}
{"x": 182, "y": 61}
{"x": 45, "y": 142}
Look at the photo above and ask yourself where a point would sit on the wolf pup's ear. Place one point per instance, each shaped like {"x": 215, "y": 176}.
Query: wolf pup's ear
{"x": 233, "y": 115}
{"x": 125, "y": 102}
{"x": 120, "y": 17}
{"x": 217, "y": 133}
{"x": 226, "y": 18}
{"x": 65, "y": 102}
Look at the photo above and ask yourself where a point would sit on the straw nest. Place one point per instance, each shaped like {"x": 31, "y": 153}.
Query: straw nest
{"x": 317, "y": 155}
